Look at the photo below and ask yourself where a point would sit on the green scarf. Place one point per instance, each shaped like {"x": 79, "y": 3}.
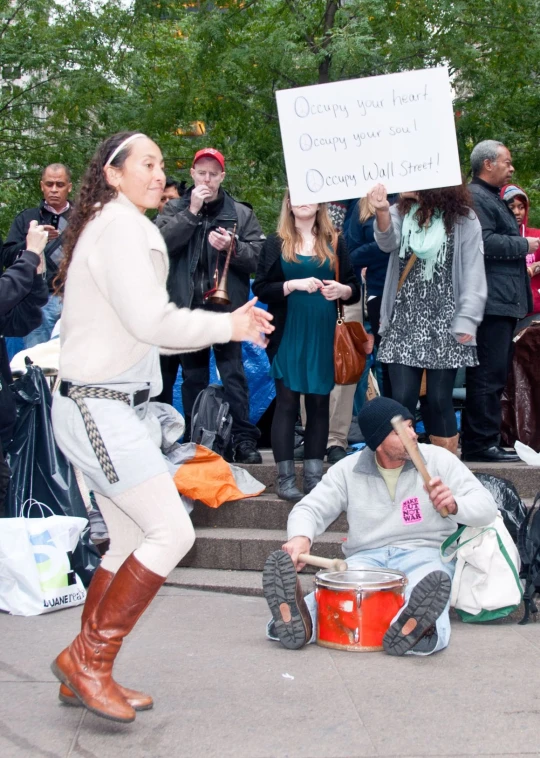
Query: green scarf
{"x": 429, "y": 243}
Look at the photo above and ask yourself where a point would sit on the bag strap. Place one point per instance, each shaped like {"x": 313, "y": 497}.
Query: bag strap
{"x": 410, "y": 263}
{"x": 339, "y": 304}
{"x": 27, "y": 506}
{"x": 449, "y": 541}
{"x": 509, "y": 561}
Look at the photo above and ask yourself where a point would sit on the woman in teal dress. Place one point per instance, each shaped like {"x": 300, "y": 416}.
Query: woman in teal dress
{"x": 296, "y": 278}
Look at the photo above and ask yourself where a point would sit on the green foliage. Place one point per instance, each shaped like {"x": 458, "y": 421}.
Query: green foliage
{"x": 91, "y": 67}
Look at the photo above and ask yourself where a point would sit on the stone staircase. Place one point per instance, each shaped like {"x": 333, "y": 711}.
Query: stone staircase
{"x": 233, "y": 541}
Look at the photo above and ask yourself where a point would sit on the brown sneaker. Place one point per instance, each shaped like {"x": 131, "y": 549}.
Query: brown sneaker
{"x": 283, "y": 593}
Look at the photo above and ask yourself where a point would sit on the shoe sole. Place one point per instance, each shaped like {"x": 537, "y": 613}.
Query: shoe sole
{"x": 280, "y": 590}
{"x": 74, "y": 702}
{"x": 426, "y": 603}
{"x": 59, "y": 674}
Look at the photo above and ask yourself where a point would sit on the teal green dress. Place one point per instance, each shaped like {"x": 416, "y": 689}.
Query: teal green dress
{"x": 305, "y": 356}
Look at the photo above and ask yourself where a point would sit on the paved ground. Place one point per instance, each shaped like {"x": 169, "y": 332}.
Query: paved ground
{"x": 222, "y": 690}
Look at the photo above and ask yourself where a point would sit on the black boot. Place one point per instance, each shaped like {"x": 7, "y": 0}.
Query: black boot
{"x": 313, "y": 471}
{"x": 286, "y": 487}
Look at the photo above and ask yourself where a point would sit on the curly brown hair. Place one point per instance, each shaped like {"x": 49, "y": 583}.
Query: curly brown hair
{"x": 94, "y": 193}
{"x": 452, "y": 202}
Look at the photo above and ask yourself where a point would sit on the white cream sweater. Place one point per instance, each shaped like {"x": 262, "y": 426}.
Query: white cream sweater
{"x": 116, "y": 306}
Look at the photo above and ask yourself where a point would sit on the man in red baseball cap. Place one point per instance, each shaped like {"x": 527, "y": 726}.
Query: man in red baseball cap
{"x": 198, "y": 229}
{"x": 209, "y": 152}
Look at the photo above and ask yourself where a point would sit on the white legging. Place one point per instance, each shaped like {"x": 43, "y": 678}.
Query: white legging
{"x": 151, "y": 521}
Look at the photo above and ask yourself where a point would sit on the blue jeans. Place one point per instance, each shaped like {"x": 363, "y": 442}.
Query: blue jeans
{"x": 415, "y": 564}
{"x": 50, "y": 313}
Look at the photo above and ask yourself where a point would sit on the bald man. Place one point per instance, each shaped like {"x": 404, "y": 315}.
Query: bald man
{"x": 53, "y": 214}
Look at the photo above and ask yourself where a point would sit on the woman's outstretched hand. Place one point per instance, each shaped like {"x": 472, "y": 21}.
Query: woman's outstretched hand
{"x": 378, "y": 197}
{"x": 250, "y": 323}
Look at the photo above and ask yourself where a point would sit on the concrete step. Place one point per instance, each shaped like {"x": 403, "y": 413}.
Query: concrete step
{"x": 250, "y": 583}
{"x": 248, "y": 549}
{"x": 525, "y": 478}
{"x": 266, "y": 511}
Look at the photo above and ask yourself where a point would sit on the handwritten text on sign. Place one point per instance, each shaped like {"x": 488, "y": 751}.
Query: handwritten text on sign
{"x": 340, "y": 139}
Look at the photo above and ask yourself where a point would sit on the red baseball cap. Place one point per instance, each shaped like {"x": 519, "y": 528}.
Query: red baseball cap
{"x": 209, "y": 152}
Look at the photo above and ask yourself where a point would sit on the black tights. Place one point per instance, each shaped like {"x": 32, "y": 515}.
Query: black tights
{"x": 406, "y": 381}
{"x": 284, "y": 421}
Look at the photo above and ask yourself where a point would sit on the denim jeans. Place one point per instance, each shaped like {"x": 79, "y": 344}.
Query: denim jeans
{"x": 415, "y": 564}
{"x": 50, "y": 313}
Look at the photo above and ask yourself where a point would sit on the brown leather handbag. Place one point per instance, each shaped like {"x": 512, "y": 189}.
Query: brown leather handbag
{"x": 351, "y": 343}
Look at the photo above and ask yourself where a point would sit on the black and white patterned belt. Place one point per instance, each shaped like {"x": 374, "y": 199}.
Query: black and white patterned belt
{"x": 78, "y": 394}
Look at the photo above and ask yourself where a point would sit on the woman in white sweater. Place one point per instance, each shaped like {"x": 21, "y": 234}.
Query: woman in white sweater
{"x": 116, "y": 319}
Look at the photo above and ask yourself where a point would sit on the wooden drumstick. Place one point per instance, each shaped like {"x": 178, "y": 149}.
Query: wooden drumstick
{"x": 412, "y": 448}
{"x": 333, "y": 564}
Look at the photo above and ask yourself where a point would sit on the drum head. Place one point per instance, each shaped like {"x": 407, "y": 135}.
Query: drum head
{"x": 365, "y": 579}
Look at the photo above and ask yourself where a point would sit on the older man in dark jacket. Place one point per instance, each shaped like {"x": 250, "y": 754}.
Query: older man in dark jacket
{"x": 198, "y": 229}
{"x": 53, "y": 213}
{"x": 509, "y": 299}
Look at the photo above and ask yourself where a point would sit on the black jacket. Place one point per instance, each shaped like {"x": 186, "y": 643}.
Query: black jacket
{"x": 509, "y": 289}
{"x": 16, "y": 239}
{"x": 193, "y": 259}
{"x": 22, "y": 294}
{"x": 268, "y": 285}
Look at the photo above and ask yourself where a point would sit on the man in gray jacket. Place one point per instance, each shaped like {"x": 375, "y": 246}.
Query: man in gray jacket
{"x": 393, "y": 523}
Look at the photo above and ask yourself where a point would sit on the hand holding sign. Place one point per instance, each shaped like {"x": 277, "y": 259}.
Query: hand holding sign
{"x": 378, "y": 198}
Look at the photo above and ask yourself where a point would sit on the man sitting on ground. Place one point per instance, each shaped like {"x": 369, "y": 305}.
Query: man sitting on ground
{"x": 393, "y": 523}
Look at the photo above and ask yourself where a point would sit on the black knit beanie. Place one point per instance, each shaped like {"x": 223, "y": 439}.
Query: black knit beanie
{"x": 375, "y": 417}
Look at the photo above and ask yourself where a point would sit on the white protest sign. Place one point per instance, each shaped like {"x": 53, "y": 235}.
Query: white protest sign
{"x": 341, "y": 139}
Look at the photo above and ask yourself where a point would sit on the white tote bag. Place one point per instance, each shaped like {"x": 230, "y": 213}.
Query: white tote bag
{"x": 35, "y": 571}
{"x": 486, "y": 582}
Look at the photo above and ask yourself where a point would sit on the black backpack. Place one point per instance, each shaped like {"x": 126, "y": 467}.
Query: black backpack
{"x": 211, "y": 422}
{"x": 529, "y": 551}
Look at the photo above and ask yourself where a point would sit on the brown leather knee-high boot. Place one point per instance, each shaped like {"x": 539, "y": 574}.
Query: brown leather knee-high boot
{"x": 99, "y": 585}
{"x": 450, "y": 443}
{"x": 86, "y": 665}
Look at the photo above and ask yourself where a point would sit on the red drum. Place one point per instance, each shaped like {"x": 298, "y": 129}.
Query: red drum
{"x": 355, "y": 608}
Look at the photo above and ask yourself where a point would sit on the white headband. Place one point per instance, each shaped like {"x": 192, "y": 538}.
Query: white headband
{"x": 121, "y": 146}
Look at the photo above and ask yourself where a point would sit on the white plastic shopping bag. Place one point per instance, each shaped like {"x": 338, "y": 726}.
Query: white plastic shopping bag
{"x": 527, "y": 454}
{"x": 35, "y": 569}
